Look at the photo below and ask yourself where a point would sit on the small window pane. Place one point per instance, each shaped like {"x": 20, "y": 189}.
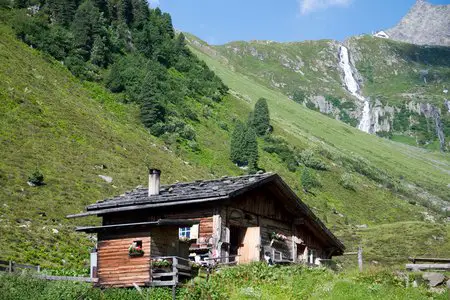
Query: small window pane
{"x": 184, "y": 232}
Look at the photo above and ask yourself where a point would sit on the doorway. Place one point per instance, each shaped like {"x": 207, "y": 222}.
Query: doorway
{"x": 301, "y": 252}
{"x": 245, "y": 243}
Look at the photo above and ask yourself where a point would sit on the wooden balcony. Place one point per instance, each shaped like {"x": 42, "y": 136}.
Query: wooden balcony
{"x": 169, "y": 275}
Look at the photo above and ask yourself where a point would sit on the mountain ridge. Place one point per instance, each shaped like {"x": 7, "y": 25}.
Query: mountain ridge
{"x": 424, "y": 24}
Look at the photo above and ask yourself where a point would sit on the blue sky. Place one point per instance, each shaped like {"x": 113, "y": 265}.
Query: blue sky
{"x": 222, "y": 21}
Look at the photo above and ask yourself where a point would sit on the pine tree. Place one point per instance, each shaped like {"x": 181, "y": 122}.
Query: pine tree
{"x": 99, "y": 52}
{"x": 126, "y": 11}
{"x": 141, "y": 13}
{"x": 62, "y": 11}
{"x": 244, "y": 147}
{"x": 102, "y": 5}
{"x": 251, "y": 149}
{"x": 237, "y": 151}
{"x": 261, "y": 118}
{"x": 87, "y": 24}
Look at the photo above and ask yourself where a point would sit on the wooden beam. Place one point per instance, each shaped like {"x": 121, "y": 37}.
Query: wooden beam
{"x": 429, "y": 259}
{"x": 418, "y": 267}
{"x": 142, "y": 206}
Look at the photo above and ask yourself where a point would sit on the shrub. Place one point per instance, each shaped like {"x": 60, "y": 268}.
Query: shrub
{"x": 187, "y": 132}
{"x": 309, "y": 159}
{"x": 279, "y": 146}
{"x": 348, "y": 181}
{"x": 36, "y": 178}
{"x": 309, "y": 179}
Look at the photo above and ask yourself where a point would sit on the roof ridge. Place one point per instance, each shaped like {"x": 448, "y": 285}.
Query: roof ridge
{"x": 217, "y": 179}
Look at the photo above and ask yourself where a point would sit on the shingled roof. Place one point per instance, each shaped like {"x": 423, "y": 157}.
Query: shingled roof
{"x": 180, "y": 193}
{"x": 199, "y": 191}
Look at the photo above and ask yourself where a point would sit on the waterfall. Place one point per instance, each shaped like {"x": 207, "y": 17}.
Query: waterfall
{"x": 353, "y": 87}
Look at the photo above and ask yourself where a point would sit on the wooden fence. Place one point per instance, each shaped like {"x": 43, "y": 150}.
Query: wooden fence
{"x": 433, "y": 264}
{"x": 10, "y": 267}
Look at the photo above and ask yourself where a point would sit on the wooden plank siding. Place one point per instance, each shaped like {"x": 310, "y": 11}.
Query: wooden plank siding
{"x": 268, "y": 226}
{"x": 263, "y": 202}
{"x": 165, "y": 241}
{"x": 116, "y": 268}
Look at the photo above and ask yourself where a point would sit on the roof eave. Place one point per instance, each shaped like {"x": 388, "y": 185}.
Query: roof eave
{"x": 160, "y": 222}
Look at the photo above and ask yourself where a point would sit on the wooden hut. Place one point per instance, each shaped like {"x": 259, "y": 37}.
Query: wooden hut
{"x": 239, "y": 219}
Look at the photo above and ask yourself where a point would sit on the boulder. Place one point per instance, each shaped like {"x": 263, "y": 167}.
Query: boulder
{"x": 108, "y": 179}
{"x": 433, "y": 278}
{"x": 448, "y": 284}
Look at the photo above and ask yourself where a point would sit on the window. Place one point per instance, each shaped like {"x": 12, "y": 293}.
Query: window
{"x": 184, "y": 232}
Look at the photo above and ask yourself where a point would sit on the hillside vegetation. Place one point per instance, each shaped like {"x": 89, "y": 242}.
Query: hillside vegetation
{"x": 72, "y": 131}
{"x": 255, "y": 281}
{"x": 396, "y": 77}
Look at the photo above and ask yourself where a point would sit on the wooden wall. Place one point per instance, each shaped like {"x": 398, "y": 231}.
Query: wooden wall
{"x": 193, "y": 212}
{"x": 115, "y": 267}
{"x": 264, "y": 202}
{"x": 165, "y": 241}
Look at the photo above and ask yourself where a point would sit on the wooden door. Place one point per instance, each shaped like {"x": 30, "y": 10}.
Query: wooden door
{"x": 249, "y": 250}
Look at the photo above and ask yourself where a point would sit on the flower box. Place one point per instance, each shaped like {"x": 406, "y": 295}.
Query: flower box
{"x": 135, "y": 249}
{"x": 161, "y": 263}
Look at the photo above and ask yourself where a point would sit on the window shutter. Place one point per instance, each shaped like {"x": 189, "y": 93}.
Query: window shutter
{"x": 194, "y": 231}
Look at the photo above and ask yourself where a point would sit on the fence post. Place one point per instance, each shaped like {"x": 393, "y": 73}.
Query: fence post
{"x": 10, "y": 266}
{"x": 175, "y": 277}
{"x": 38, "y": 268}
{"x": 360, "y": 259}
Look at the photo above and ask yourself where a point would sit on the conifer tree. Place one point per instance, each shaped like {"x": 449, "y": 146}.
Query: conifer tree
{"x": 99, "y": 52}
{"x": 62, "y": 11}
{"x": 251, "y": 149}
{"x": 244, "y": 147}
{"x": 126, "y": 11}
{"x": 261, "y": 118}
{"x": 87, "y": 24}
{"x": 237, "y": 154}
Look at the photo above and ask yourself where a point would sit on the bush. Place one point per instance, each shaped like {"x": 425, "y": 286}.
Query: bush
{"x": 348, "y": 181}
{"x": 280, "y": 147}
{"x": 36, "y": 178}
{"x": 309, "y": 159}
{"x": 187, "y": 132}
{"x": 309, "y": 179}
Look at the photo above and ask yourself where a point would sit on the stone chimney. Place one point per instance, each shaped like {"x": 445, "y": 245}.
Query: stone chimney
{"x": 153, "y": 182}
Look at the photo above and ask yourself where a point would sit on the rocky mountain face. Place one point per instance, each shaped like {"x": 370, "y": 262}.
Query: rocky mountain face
{"x": 378, "y": 85}
{"x": 425, "y": 24}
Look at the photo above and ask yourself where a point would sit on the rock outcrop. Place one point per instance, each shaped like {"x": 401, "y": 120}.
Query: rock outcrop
{"x": 425, "y": 24}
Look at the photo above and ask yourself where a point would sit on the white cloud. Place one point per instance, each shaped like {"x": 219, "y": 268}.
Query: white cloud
{"x": 308, "y": 6}
{"x": 153, "y": 3}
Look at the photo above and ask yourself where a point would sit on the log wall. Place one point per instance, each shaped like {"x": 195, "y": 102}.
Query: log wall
{"x": 165, "y": 241}
{"x": 116, "y": 268}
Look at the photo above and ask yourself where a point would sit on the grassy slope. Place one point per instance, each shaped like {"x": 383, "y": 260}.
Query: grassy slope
{"x": 425, "y": 168}
{"x": 370, "y": 203}
{"x": 391, "y": 70}
{"x": 255, "y": 281}
{"x": 50, "y": 120}
{"x": 394, "y": 69}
